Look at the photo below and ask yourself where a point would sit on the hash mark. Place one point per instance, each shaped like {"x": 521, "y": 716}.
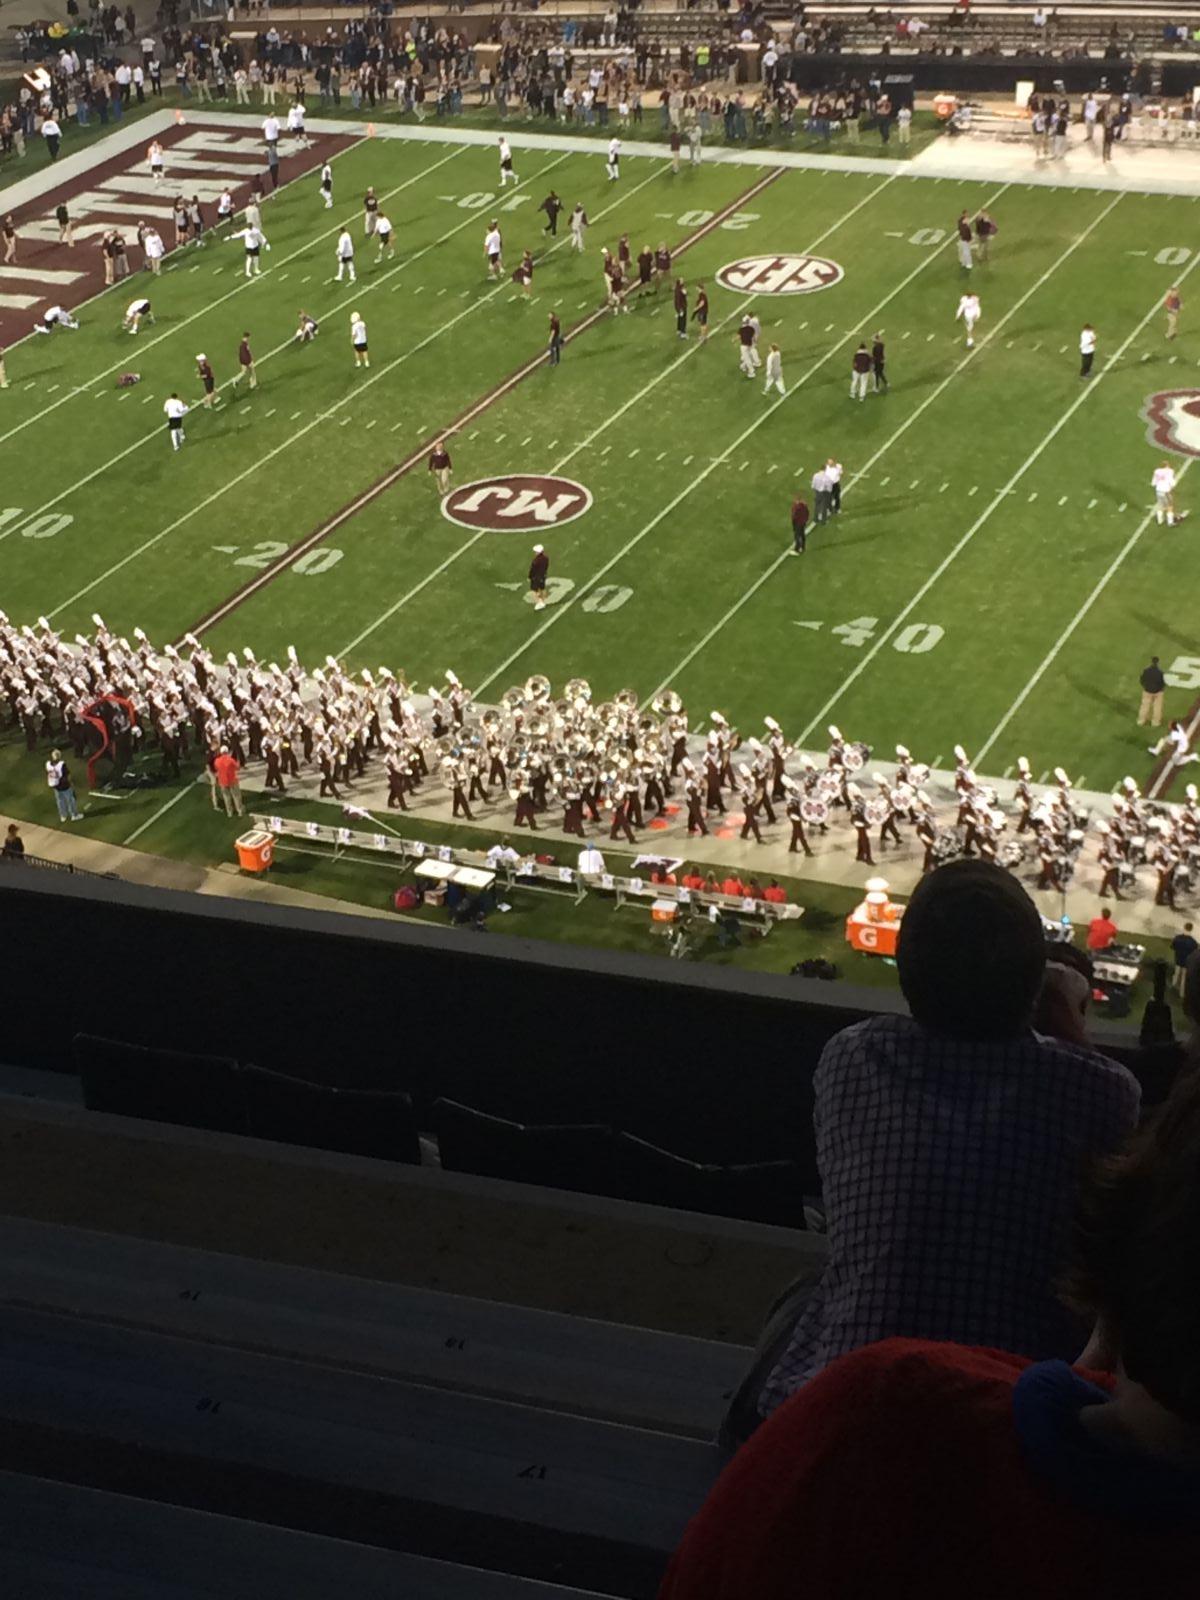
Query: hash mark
{"x": 1032, "y": 498}
{"x": 1124, "y": 506}
{"x": 1092, "y": 503}
{"x": 345, "y": 422}
{"x": 661, "y": 457}
{"x": 943, "y": 489}
{"x": 500, "y": 438}
{"x": 294, "y": 415}
{"x": 914, "y": 483}
{"x": 272, "y": 411}
{"x": 743, "y": 466}
{"x": 883, "y": 482}
{"x": 632, "y": 453}
{"x": 687, "y": 460}
{"x": 243, "y": 410}
{"x": 1064, "y": 500}
{"x": 474, "y": 435}
{"x": 606, "y": 449}
{"x": 370, "y": 424}
{"x": 396, "y": 427}
{"x": 974, "y": 489}
{"x": 524, "y": 442}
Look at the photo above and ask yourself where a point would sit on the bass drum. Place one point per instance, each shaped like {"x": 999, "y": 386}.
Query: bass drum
{"x": 947, "y": 845}
{"x": 1011, "y": 854}
{"x": 856, "y": 757}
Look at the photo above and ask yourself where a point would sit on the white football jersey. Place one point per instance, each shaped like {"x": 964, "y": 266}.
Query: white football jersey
{"x": 1163, "y": 480}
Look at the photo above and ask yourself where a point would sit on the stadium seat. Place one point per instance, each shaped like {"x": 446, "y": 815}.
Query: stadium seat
{"x": 162, "y": 1085}
{"x": 758, "y": 1191}
{"x": 360, "y": 1122}
{"x": 565, "y": 1156}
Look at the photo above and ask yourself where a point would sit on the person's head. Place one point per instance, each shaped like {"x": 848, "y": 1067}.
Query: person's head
{"x": 1105, "y": 913}
{"x": 1136, "y": 1257}
{"x": 970, "y": 955}
{"x": 1153, "y": 661}
{"x": 56, "y": 755}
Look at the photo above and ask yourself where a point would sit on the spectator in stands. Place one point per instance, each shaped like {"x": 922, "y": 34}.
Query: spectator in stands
{"x": 1102, "y": 931}
{"x": 953, "y": 1135}
{"x": 14, "y": 845}
{"x": 915, "y": 1468}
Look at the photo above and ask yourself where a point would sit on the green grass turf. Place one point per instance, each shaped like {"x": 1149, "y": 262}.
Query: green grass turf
{"x": 676, "y": 573}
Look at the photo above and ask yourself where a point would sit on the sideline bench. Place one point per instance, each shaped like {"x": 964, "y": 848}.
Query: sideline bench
{"x": 528, "y": 872}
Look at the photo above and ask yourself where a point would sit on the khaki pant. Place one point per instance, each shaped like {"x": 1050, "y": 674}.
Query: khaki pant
{"x": 1151, "y": 709}
{"x": 1172, "y": 324}
{"x": 231, "y": 798}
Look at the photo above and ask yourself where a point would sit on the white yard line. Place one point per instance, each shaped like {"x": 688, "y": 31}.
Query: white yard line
{"x": 1052, "y": 656}
{"x": 997, "y": 500}
{"x": 362, "y": 288}
{"x": 162, "y": 811}
{"x": 178, "y": 327}
{"x": 785, "y": 555}
{"x": 300, "y": 433}
{"x": 584, "y": 589}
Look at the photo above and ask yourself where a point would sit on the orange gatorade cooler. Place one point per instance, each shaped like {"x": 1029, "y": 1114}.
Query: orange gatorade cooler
{"x": 256, "y": 851}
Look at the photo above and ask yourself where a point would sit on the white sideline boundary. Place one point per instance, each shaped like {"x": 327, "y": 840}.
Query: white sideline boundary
{"x": 930, "y": 162}
{"x": 839, "y": 344}
{"x": 301, "y": 433}
{"x": 366, "y": 287}
{"x": 864, "y": 470}
{"x": 617, "y": 414}
{"x": 178, "y": 327}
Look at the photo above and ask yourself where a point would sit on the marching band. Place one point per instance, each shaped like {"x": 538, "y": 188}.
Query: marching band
{"x": 613, "y": 763}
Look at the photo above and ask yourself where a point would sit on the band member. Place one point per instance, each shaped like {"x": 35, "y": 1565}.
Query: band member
{"x": 539, "y": 568}
{"x": 397, "y": 777}
{"x": 440, "y": 465}
{"x": 681, "y": 308}
{"x": 694, "y": 800}
{"x": 858, "y": 820}
{"x": 712, "y": 780}
{"x": 887, "y": 828}
{"x": 700, "y": 314}
{"x": 926, "y": 831}
{"x": 795, "y": 815}
{"x": 1023, "y": 795}
{"x": 1110, "y": 867}
{"x": 1166, "y": 865}
{"x": 458, "y": 787}
{"x": 526, "y": 815}
{"x": 620, "y": 816}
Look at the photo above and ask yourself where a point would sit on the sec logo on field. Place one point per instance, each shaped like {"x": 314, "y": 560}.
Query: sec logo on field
{"x": 1173, "y": 421}
{"x": 521, "y": 504}
{"x": 780, "y": 275}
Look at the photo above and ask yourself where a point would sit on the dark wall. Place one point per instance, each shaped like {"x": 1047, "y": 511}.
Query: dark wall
{"x": 714, "y": 1064}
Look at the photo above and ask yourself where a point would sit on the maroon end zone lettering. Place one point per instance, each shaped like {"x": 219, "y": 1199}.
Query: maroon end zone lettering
{"x": 780, "y": 275}
{"x": 521, "y": 504}
{"x": 1173, "y": 421}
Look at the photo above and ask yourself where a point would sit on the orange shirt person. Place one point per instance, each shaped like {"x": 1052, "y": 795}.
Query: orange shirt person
{"x": 1102, "y": 931}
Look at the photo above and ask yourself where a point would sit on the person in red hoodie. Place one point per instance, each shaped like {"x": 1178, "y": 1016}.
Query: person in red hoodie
{"x": 227, "y": 772}
{"x": 922, "y": 1470}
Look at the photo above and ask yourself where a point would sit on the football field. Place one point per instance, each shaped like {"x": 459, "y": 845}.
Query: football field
{"x": 995, "y": 578}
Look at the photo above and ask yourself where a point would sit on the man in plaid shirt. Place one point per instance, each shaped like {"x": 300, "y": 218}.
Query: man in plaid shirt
{"x": 951, "y": 1143}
